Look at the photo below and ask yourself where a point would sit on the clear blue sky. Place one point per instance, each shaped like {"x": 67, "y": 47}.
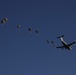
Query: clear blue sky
{"x": 25, "y": 53}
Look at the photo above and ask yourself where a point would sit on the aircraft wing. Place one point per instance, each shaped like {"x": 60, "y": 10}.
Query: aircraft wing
{"x": 60, "y": 47}
{"x": 72, "y": 43}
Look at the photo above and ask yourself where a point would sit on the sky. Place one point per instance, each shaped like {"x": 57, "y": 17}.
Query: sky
{"x": 27, "y": 53}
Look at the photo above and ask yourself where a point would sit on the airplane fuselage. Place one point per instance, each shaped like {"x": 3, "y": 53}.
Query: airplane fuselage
{"x": 65, "y": 45}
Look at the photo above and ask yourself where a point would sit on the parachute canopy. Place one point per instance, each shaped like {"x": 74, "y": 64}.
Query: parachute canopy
{"x": 29, "y": 29}
{"x": 18, "y": 26}
{"x": 36, "y": 31}
{"x": 4, "y": 20}
{"x": 47, "y": 41}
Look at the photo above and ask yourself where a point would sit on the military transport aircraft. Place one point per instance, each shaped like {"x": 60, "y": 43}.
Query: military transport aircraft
{"x": 65, "y": 45}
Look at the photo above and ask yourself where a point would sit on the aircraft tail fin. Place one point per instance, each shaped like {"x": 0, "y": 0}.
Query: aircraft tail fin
{"x": 60, "y": 36}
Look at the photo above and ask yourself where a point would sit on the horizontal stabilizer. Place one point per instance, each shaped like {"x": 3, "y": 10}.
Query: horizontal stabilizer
{"x": 60, "y": 36}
